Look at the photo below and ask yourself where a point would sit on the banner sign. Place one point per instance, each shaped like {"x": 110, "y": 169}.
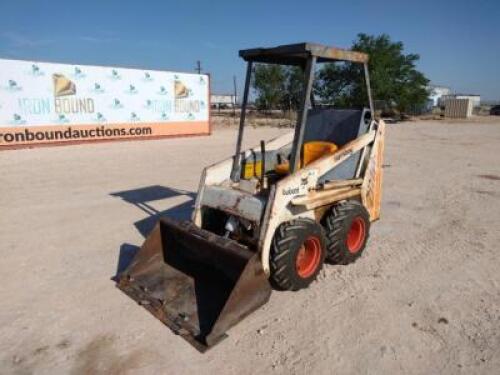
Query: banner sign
{"x": 53, "y": 103}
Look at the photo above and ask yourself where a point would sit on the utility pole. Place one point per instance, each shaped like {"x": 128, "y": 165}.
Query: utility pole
{"x": 198, "y": 66}
{"x": 235, "y": 96}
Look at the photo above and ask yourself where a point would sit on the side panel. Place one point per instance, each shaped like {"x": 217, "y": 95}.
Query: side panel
{"x": 371, "y": 190}
{"x": 298, "y": 184}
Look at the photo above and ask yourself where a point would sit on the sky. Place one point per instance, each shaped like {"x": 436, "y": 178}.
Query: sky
{"x": 458, "y": 41}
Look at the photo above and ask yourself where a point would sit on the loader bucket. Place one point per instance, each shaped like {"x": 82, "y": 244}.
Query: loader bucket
{"x": 197, "y": 283}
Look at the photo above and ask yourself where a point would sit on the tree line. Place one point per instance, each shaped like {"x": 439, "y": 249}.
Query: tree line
{"x": 394, "y": 78}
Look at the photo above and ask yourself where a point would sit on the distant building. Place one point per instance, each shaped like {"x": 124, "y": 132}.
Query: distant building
{"x": 458, "y": 108}
{"x": 436, "y": 93}
{"x": 222, "y": 100}
{"x": 474, "y": 99}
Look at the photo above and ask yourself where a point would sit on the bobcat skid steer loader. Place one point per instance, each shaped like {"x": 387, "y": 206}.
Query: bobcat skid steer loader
{"x": 267, "y": 217}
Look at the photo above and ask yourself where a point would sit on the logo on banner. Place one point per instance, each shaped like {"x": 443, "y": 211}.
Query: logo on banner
{"x": 181, "y": 90}
{"x": 147, "y": 77}
{"x": 97, "y": 89}
{"x": 184, "y": 103}
{"x": 61, "y": 119}
{"x": 116, "y": 104}
{"x": 115, "y": 76}
{"x": 17, "y": 120}
{"x": 77, "y": 73}
{"x": 99, "y": 117}
{"x": 162, "y": 91}
{"x": 36, "y": 71}
{"x": 63, "y": 86}
{"x": 12, "y": 86}
{"x": 65, "y": 101}
{"x": 131, "y": 90}
{"x": 134, "y": 117}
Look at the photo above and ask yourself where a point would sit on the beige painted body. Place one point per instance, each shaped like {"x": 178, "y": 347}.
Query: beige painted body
{"x": 298, "y": 195}
{"x": 202, "y": 277}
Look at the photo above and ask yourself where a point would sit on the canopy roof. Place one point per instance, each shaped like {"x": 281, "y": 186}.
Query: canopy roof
{"x": 297, "y": 54}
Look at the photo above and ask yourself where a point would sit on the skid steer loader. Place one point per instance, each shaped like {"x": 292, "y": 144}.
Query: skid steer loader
{"x": 267, "y": 217}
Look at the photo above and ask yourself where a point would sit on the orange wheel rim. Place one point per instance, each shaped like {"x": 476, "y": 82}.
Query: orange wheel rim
{"x": 356, "y": 235}
{"x": 308, "y": 257}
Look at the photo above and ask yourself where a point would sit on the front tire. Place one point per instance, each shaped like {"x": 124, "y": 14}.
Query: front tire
{"x": 297, "y": 254}
{"x": 347, "y": 228}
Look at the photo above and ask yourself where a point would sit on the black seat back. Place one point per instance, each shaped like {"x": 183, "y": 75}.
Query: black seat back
{"x": 339, "y": 126}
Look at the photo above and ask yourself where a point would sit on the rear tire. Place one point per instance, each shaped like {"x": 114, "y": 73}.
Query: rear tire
{"x": 347, "y": 228}
{"x": 297, "y": 254}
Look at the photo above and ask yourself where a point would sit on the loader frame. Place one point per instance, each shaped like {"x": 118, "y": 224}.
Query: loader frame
{"x": 200, "y": 279}
{"x": 281, "y": 205}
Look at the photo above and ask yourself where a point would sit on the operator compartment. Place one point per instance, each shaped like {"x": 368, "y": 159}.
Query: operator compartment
{"x": 326, "y": 131}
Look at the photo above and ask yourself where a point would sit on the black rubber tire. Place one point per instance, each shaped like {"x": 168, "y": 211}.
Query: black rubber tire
{"x": 337, "y": 223}
{"x": 287, "y": 241}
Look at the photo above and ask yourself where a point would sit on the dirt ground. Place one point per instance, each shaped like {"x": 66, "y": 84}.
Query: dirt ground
{"x": 424, "y": 298}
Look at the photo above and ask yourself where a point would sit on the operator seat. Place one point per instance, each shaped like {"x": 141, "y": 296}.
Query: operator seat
{"x": 310, "y": 152}
{"x": 327, "y": 130}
